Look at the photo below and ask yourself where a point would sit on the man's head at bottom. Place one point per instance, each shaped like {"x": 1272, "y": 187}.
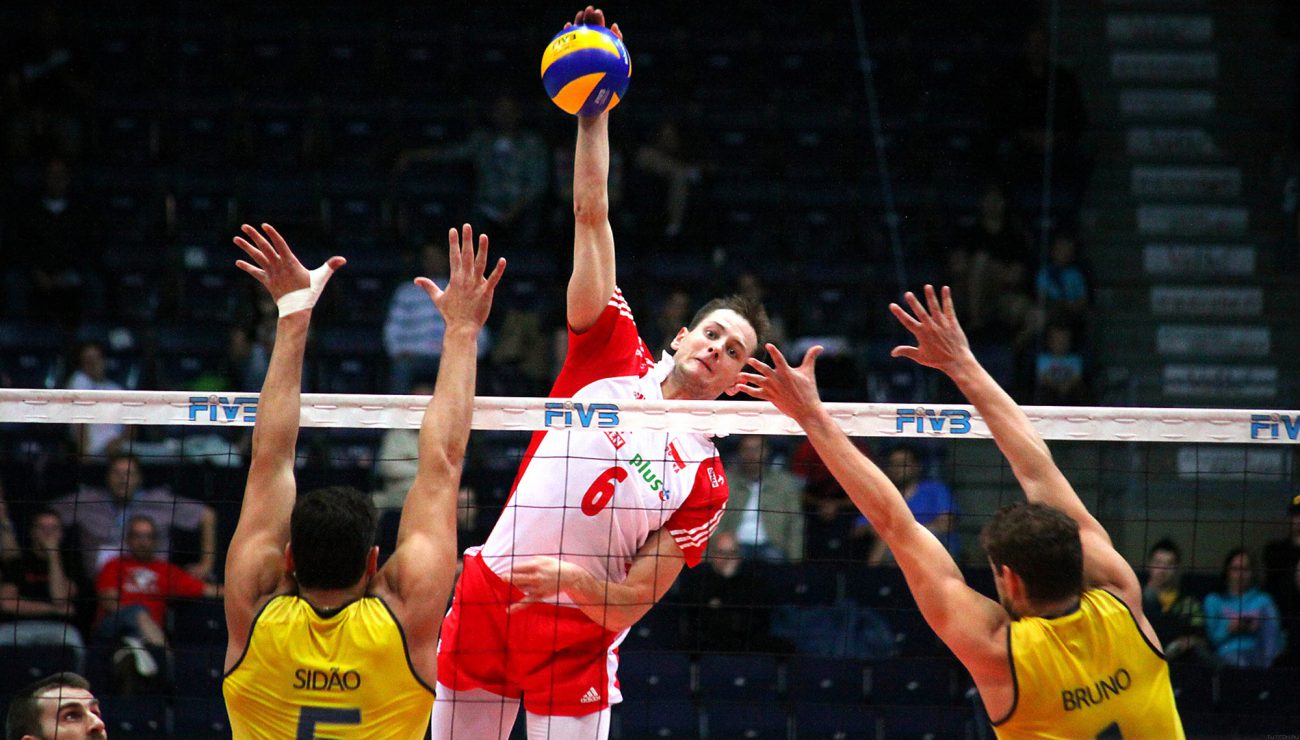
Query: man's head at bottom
{"x": 57, "y": 707}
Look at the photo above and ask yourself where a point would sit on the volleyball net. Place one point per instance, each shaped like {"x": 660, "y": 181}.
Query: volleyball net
{"x": 795, "y": 605}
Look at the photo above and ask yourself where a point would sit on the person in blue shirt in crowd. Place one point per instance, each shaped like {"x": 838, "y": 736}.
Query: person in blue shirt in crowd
{"x": 929, "y": 499}
{"x": 1243, "y": 623}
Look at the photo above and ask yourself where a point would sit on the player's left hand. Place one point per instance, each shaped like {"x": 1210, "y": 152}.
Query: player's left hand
{"x": 793, "y": 390}
{"x": 468, "y": 297}
{"x": 275, "y": 265}
{"x": 539, "y": 578}
{"x": 590, "y": 16}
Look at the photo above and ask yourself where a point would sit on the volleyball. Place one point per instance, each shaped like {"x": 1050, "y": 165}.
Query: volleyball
{"x": 586, "y": 70}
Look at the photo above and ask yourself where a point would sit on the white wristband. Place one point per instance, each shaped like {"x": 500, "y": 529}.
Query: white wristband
{"x": 304, "y": 298}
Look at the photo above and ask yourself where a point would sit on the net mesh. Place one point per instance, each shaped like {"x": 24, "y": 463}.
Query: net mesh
{"x": 796, "y": 622}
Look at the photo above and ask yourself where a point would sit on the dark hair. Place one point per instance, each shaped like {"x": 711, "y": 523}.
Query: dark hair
{"x": 24, "y": 717}
{"x": 749, "y": 309}
{"x": 331, "y": 531}
{"x": 1167, "y": 545}
{"x": 120, "y": 455}
{"x": 1227, "y": 560}
{"x": 142, "y": 518}
{"x": 1041, "y": 544}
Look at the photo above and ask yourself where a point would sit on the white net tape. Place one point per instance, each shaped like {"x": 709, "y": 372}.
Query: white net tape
{"x": 1236, "y": 426}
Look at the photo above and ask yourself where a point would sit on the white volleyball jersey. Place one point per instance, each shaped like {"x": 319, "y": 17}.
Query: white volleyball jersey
{"x": 593, "y": 497}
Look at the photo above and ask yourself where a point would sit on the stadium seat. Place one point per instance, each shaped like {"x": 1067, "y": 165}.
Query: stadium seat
{"x": 879, "y": 587}
{"x": 911, "y": 682}
{"x": 22, "y": 665}
{"x": 1193, "y": 685}
{"x": 745, "y": 720}
{"x": 199, "y": 669}
{"x": 928, "y": 723}
{"x": 201, "y": 718}
{"x": 655, "y": 676}
{"x": 636, "y": 719}
{"x": 134, "y": 716}
{"x": 657, "y": 631}
{"x": 1260, "y": 693}
{"x": 817, "y": 721}
{"x": 818, "y": 680}
{"x": 739, "y": 677}
{"x": 912, "y": 634}
{"x": 197, "y": 622}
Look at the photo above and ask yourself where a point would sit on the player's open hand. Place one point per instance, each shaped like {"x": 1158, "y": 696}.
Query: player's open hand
{"x": 468, "y": 297}
{"x": 275, "y": 266}
{"x": 793, "y": 390}
{"x": 940, "y": 341}
{"x": 590, "y": 16}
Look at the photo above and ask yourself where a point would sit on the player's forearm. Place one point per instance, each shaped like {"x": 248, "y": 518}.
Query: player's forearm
{"x": 591, "y": 170}
{"x": 59, "y": 585}
{"x": 280, "y": 404}
{"x": 614, "y": 606}
{"x": 1024, "y": 448}
{"x": 444, "y": 432}
{"x": 866, "y": 485}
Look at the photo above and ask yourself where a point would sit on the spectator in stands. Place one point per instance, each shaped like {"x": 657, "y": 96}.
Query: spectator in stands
{"x": 1059, "y": 370}
{"x": 729, "y": 610}
{"x": 765, "y": 512}
{"x": 1280, "y": 560}
{"x": 1242, "y": 622}
{"x": 92, "y": 375}
{"x": 398, "y": 461}
{"x": 1177, "y": 617}
{"x": 36, "y": 592}
{"x": 55, "y": 274}
{"x": 1062, "y": 284}
{"x": 413, "y": 329}
{"x": 1290, "y": 658}
{"x": 100, "y": 515}
{"x": 510, "y": 173}
{"x": 928, "y": 498}
{"x": 750, "y": 285}
{"x": 57, "y": 707}
{"x": 521, "y": 357}
{"x": 663, "y": 162}
{"x": 673, "y": 312}
{"x": 133, "y": 591}
{"x": 995, "y": 269}
{"x": 47, "y": 86}
{"x": 830, "y": 512}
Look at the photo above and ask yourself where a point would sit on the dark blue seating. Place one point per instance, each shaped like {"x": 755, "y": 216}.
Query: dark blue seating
{"x": 640, "y": 720}
{"x": 199, "y": 668}
{"x": 815, "y": 721}
{"x": 746, "y": 720}
{"x": 739, "y": 677}
{"x": 1260, "y": 693}
{"x": 1193, "y": 685}
{"x": 134, "y": 716}
{"x": 22, "y": 665}
{"x": 659, "y": 676}
{"x": 201, "y": 717}
{"x": 813, "y": 679}
{"x": 911, "y": 682}
{"x": 197, "y": 622}
{"x": 881, "y": 587}
{"x": 928, "y": 723}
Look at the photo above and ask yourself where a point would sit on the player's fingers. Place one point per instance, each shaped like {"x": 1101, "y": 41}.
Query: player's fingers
{"x": 932, "y": 301}
{"x": 336, "y": 262}
{"x": 256, "y": 272}
{"x": 906, "y": 319}
{"x": 453, "y": 250}
{"x": 616, "y": 31}
{"x": 906, "y": 351}
{"x": 778, "y": 359}
{"x": 754, "y": 391}
{"x": 250, "y": 250}
{"x": 480, "y": 257}
{"x": 949, "y": 310}
{"x": 428, "y": 286}
{"x": 914, "y": 303}
{"x": 810, "y": 357}
{"x": 261, "y": 242}
{"x": 497, "y": 272}
{"x": 281, "y": 246}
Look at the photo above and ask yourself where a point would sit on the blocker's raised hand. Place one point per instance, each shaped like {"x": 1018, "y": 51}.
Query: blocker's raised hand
{"x": 467, "y": 299}
{"x": 590, "y": 16}
{"x": 275, "y": 266}
{"x": 940, "y": 341}
{"x": 793, "y": 390}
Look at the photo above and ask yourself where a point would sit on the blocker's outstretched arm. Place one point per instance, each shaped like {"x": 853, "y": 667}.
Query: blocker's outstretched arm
{"x": 255, "y": 559}
{"x": 593, "y": 279}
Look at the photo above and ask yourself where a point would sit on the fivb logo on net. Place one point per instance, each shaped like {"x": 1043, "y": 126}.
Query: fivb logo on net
{"x": 929, "y": 421}
{"x": 569, "y": 414}
{"x": 223, "y": 408}
{"x": 1274, "y": 426}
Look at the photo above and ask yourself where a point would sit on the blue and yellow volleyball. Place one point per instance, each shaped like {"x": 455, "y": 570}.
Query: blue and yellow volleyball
{"x": 586, "y": 70}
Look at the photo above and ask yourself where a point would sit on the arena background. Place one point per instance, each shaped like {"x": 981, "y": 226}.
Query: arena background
{"x": 823, "y": 155}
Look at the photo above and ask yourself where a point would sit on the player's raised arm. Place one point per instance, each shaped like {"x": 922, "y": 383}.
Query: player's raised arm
{"x": 942, "y": 345}
{"x": 967, "y": 622}
{"x": 255, "y": 559}
{"x": 593, "y": 279}
{"x": 417, "y": 579}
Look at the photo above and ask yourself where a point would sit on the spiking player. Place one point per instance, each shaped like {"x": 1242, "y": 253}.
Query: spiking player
{"x": 320, "y": 638}
{"x": 598, "y": 525}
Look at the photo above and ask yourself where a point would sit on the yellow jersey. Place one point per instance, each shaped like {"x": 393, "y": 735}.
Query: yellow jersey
{"x": 1088, "y": 674}
{"x": 341, "y": 674}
